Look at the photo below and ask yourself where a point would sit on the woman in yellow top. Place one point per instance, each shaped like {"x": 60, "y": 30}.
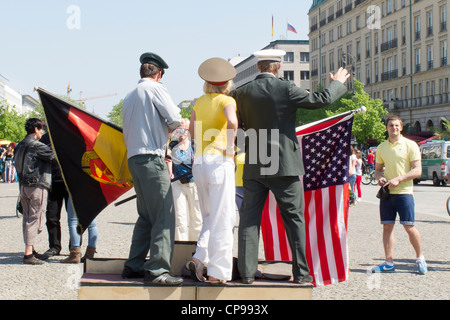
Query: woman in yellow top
{"x": 213, "y": 126}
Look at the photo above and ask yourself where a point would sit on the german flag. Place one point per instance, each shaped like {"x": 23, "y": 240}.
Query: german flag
{"x": 91, "y": 154}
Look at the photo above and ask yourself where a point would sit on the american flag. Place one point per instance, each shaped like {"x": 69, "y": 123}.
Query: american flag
{"x": 325, "y": 149}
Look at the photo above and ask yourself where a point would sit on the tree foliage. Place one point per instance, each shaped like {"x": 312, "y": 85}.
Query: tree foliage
{"x": 366, "y": 126}
{"x": 445, "y": 132}
{"x": 186, "y": 112}
{"x": 115, "y": 115}
{"x": 12, "y": 124}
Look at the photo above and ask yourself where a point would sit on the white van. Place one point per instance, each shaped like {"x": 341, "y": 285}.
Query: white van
{"x": 435, "y": 159}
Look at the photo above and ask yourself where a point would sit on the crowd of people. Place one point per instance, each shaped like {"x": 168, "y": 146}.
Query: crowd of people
{"x": 184, "y": 174}
{"x": 149, "y": 116}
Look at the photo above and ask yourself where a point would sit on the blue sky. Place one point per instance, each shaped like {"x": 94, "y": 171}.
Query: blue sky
{"x": 101, "y": 57}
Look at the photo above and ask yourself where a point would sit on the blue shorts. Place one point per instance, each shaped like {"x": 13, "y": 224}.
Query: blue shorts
{"x": 403, "y": 204}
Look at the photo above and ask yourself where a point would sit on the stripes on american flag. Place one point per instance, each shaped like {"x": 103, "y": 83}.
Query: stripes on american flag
{"x": 325, "y": 149}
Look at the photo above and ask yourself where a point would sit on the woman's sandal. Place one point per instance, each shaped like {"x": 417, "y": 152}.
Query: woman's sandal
{"x": 212, "y": 280}
{"x": 196, "y": 270}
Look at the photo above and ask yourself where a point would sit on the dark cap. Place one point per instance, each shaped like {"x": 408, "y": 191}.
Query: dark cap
{"x": 153, "y": 58}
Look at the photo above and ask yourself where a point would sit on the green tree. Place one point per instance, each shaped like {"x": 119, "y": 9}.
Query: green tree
{"x": 186, "y": 112}
{"x": 12, "y": 124}
{"x": 368, "y": 125}
{"x": 305, "y": 116}
{"x": 445, "y": 132}
{"x": 115, "y": 115}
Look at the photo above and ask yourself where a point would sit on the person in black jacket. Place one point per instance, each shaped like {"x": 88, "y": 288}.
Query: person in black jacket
{"x": 267, "y": 107}
{"x": 56, "y": 197}
{"x": 34, "y": 168}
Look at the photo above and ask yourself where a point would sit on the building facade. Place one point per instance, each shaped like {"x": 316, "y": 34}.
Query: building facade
{"x": 295, "y": 66}
{"x": 397, "y": 48}
{"x": 21, "y": 103}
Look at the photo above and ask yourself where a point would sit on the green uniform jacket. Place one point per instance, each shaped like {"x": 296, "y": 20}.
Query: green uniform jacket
{"x": 271, "y": 103}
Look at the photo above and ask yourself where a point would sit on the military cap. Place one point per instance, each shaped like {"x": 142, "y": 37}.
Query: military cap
{"x": 153, "y": 58}
{"x": 270, "y": 55}
{"x": 216, "y": 71}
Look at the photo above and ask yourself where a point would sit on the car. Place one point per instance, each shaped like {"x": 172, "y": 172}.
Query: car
{"x": 435, "y": 159}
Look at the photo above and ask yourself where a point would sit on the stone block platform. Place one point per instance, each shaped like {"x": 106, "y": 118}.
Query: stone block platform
{"x": 102, "y": 281}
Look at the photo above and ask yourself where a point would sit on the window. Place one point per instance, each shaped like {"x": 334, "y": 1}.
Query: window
{"x": 367, "y": 47}
{"x": 443, "y": 17}
{"x": 304, "y": 56}
{"x": 429, "y": 23}
{"x": 368, "y": 74}
{"x": 331, "y": 61}
{"x": 358, "y": 50}
{"x": 289, "y": 57}
{"x": 430, "y": 56}
{"x": 403, "y": 32}
{"x": 289, "y": 75}
{"x": 431, "y": 152}
{"x": 404, "y": 63}
{"x": 417, "y": 55}
{"x": 304, "y": 75}
{"x": 323, "y": 64}
{"x": 443, "y": 53}
{"x": 417, "y": 27}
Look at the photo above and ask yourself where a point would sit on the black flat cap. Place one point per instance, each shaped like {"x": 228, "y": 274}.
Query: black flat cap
{"x": 153, "y": 58}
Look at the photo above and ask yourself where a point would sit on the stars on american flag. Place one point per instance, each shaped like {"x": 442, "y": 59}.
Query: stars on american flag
{"x": 326, "y": 156}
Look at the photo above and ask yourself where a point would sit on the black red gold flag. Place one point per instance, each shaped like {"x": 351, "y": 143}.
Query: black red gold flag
{"x": 91, "y": 154}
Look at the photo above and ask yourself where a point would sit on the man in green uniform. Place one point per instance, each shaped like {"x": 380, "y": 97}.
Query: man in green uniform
{"x": 267, "y": 109}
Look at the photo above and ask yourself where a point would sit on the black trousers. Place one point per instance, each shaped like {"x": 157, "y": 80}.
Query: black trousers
{"x": 54, "y": 205}
{"x": 288, "y": 193}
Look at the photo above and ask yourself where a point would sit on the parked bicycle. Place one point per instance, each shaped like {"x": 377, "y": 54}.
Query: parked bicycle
{"x": 369, "y": 178}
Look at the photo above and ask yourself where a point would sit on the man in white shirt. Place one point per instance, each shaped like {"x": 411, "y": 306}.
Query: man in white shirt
{"x": 149, "y": 114}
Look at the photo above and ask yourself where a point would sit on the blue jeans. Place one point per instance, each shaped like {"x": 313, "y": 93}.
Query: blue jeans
{"x": 75, "y": 238}
{"x": 352, "y": 180}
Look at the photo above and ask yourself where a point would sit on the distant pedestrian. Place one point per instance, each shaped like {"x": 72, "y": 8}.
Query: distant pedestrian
{"x": 352, "y": 175}
{"x": 358, "y": 171}
{"x": 371, "y": 160}
{"x": 401, "y": 160}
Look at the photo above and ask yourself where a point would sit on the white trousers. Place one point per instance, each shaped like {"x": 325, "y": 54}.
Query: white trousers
{"x": 215, "y": 181}
{"x": 188, "y": 217}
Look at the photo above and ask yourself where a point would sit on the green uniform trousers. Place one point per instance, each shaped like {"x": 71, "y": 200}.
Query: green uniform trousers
{"x": 155, "y": 228}
{"x": 288, "y": 193}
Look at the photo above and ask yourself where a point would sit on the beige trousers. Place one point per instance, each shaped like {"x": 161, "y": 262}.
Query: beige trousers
{"x": 34, "y": 203}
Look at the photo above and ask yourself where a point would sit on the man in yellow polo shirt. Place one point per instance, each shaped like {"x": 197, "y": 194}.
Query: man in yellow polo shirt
{"x": 401, "y": 160}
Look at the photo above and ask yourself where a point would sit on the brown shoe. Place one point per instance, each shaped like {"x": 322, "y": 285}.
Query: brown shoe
{"x": 89, "y": 254}
{"x": 32, "y": 260}
{"x": 74, "y": 256}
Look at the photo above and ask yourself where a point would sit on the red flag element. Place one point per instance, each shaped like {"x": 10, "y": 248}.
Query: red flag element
{"x": 326, "y": 152}
{"x": 91, "y": 154}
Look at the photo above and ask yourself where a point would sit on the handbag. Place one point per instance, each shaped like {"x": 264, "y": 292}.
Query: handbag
{"x": 383, "y": 193}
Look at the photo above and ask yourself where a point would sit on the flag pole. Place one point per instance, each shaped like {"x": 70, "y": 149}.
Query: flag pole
{"x": 361, "y": 109}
